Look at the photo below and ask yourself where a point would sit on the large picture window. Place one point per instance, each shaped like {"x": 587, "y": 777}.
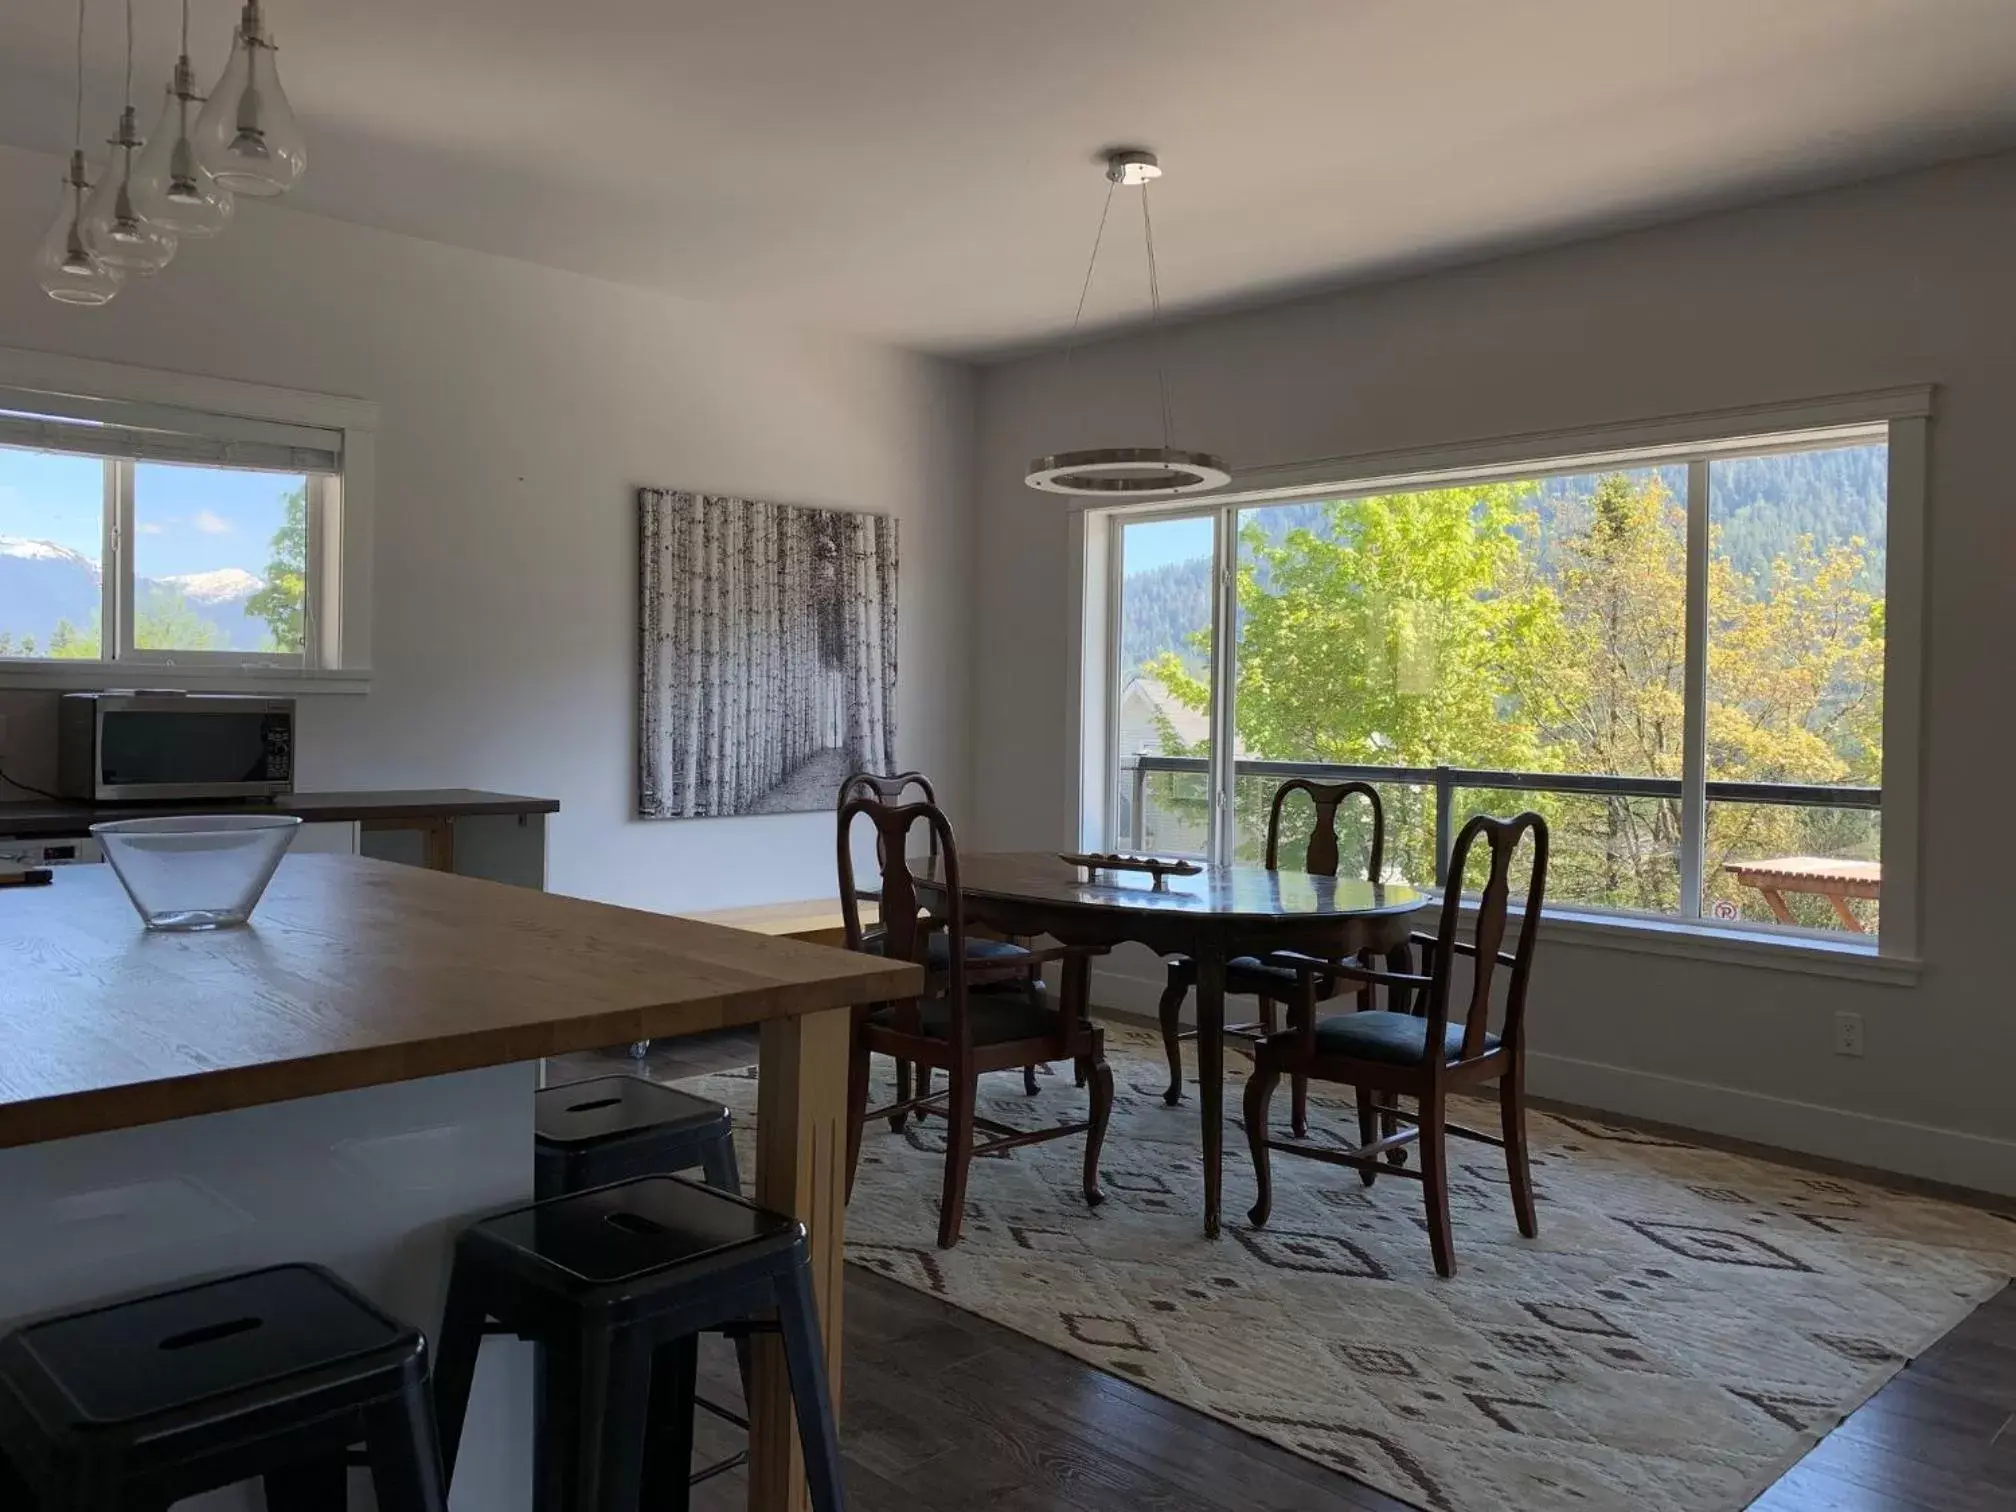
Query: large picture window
{"x": 1678, "y": 657}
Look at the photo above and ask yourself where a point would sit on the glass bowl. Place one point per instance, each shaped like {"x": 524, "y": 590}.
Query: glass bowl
{"x": 196, "y": 871}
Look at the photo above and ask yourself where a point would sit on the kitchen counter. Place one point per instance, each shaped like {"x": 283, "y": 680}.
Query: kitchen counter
{"x": 349, "y": 1080}
{"x": 63, "y": 817}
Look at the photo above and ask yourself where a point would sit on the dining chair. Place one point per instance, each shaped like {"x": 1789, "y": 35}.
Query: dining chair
{"x": 991, "y": 963}
{"x": 952, "y": 1027}
{"x": 1425, "y": 1055}
{"x": 1279, "y": 979}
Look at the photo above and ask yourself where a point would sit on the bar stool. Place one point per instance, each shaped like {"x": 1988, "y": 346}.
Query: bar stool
{"x": 614, "y": 1283}
{"x": 590, "y": 1133}
{"x": 274, "y": 1373}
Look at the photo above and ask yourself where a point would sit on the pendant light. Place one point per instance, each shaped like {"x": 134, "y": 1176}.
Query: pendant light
{"x": 115, "y": 224}
{"x": 1129, "y": 472}
{"x": 65, "y": 265}
{"x": 175, "y": 190}
{"x": 247, "y": 135}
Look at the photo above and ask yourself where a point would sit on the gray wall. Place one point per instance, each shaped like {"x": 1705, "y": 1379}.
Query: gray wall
{"x": 520, "y": 409}
{"x": 1904, "y": 281}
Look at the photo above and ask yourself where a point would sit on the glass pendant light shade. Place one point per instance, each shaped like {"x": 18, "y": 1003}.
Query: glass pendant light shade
{"x": 68, "y": 270}
{"x": 247, "y": 135}
{"x": 116, "y": 227}
{"x": 172, "y": 187}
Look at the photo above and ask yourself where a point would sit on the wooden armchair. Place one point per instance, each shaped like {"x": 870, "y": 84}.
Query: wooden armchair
{"x": 1427, "y": 1054}
{"x": 990, "y": 963}
{"x": 1280, "y": 978}
{"x": 954, "y": 1028}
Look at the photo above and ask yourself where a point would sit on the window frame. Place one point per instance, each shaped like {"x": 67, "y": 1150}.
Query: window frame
{"x": 336, "y": 654}
{"x": 1898, "y": 418}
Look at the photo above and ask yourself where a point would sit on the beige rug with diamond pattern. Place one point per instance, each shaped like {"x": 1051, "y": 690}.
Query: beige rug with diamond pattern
{"x": 1686, "y": 1326}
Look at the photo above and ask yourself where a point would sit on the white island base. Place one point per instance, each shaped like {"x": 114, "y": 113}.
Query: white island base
{"x": 372, "y": 1183}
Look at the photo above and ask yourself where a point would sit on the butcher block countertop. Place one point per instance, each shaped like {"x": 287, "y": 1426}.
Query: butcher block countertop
{"x": 355, "y": 973}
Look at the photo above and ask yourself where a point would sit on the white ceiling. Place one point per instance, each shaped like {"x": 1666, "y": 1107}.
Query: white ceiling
{"x": 925, "y": 171}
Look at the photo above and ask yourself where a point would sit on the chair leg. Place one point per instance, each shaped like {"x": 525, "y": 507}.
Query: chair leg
{"x": 1512, "y": 1117}
{"x": 958, "y": 1156}
{"x": 405, "y": 1454}
{"x": 1099, "y": 1077}
{"x": 456, "y": 1349}
{"x": 718, "y": 1166}
{"x": 668, "y": 1451}
{"x": 805, "y": 1364}
{"x": 611, "y": 1408}
{"x": 897, "y": 1120}
{"x": 1170, "y": 1012}
{"x": 858, "y": 1063}
{"x": 1435, "y": 1184}
{"x": 1259, "y": 1094}
{"x": 1270, "y": 1021}
{"x": 1029, "y": 1080}
{"x": 1368, "y": 1131}
{"x": 1298, "y": 1082}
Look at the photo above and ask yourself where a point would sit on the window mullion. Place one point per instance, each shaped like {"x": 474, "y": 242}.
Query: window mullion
{"x": 1224, "y": 663}
{"x": 1694, "y": 740}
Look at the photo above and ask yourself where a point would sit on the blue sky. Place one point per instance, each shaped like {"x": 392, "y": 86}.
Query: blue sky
{"x": 186, "y": 519}
{"x": 1156, "y": 543}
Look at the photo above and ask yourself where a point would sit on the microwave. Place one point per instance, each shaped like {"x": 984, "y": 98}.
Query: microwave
{"x": 137, "y": 747}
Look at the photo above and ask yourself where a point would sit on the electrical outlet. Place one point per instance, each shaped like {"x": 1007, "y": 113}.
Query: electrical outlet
{"x": 1847, "y": 1034}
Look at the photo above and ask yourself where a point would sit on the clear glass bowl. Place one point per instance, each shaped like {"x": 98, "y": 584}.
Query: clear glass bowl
{"x": 197, "y": 871}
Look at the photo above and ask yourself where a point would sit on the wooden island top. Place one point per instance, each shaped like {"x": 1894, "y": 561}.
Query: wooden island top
{"x": 355, "y": 973}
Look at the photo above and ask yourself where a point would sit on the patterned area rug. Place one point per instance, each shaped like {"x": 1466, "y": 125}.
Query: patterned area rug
{"x": 1686, "y": 1326}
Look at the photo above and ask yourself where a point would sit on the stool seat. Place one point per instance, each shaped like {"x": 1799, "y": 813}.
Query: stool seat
{"x": 271, "y": 1373}
{"x": 613, "y": 1128}
{"x": 620, "y": 1236}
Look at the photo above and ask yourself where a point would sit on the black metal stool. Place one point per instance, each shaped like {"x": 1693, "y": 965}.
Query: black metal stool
{"x": 615, "y": 1283}
{"x": 590, "y": 1133}
{"x": 276, "y": 1373}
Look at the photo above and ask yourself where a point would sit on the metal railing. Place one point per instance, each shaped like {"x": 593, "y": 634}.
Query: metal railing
{"x": 1446, "y": 780}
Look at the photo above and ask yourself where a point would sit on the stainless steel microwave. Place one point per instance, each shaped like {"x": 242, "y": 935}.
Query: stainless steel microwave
{"x": 132, "y": 747}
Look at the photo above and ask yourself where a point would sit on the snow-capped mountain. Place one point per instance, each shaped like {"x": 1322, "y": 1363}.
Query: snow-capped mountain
{"x": 43, "y": 584}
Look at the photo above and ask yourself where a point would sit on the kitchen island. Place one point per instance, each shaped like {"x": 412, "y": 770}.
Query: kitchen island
{"x": 349, "y": 1079}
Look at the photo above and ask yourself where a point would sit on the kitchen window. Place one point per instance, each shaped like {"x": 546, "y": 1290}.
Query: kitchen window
{"x": 201, "y": 548}
{"x": 1689, "y": 657}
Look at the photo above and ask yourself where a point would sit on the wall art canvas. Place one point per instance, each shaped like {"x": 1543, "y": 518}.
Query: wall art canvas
{"x": 767, "y": 654}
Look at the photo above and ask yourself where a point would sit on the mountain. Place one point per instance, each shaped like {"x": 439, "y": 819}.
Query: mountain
{"x": 43, "y": 584}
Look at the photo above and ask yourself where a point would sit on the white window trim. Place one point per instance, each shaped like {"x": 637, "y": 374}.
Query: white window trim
{"x": 1905, "y": 411}
{"x": 339, "y": 659}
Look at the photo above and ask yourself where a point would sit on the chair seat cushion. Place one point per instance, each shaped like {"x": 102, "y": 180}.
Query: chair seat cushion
{"x": 991, "y": 954}
{"x": 997, "y": 1018}
{"x": 1395, "y": 1039}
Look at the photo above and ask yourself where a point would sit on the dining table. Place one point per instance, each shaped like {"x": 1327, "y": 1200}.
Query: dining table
{"x": 1211, "y": 916}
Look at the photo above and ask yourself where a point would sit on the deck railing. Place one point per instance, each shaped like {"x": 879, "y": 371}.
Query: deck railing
{"x": 1447, "y": 781}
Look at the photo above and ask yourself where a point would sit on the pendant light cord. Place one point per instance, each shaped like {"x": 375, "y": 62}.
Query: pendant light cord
{"x": 77, "y": 129}
{"x": 129, "y": 54}
{"x": 1154, "y": 318}
{"x": 1098, "y": 236}
{"x": 185, "y": 28}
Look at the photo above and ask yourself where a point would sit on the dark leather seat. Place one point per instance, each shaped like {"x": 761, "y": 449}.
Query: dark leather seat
{"x": 1398, "y": 1039}
{"x": 998, "y": 1018}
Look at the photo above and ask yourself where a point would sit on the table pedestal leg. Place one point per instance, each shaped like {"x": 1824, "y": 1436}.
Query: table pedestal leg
{"x": 1211, "y": 1078}
{"x": 801, "y": 1169}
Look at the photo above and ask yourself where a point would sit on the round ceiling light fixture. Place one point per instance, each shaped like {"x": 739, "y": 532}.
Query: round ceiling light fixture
{"x": 1129, "y": 472}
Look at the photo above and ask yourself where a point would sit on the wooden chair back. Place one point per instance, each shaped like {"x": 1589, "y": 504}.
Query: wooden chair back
{"x": 1504, "y": 837}
{"x": 1322, "y": 856}
{"x": 889, "y": 788}
{"x": 904, "y": 928}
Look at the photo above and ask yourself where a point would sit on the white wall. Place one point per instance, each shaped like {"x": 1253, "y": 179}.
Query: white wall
{"x": 1907, "y": 280}
{"x": 521, "y": 408}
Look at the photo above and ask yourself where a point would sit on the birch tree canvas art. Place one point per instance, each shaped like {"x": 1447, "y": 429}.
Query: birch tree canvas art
{"x": 767, "y": 654}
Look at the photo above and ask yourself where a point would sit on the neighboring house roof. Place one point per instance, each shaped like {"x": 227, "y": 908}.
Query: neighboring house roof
{"x": 1150, "y": 697}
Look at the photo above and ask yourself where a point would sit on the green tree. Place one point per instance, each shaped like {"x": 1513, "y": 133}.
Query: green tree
{"x": 167, "y": 622}
{"x": 279, "y": 603}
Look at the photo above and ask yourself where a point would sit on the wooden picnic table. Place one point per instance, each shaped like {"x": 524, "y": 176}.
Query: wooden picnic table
{"x": 1836, "y": 881}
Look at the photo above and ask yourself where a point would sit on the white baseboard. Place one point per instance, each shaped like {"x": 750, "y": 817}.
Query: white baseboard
{"x": 1977, "y": 1161}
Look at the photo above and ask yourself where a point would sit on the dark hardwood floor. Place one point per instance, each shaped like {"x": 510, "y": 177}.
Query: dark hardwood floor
{"x": 947, "y": 1412}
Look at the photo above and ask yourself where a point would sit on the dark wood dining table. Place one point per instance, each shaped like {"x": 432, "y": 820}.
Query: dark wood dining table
{"x": 1219, "y": 913}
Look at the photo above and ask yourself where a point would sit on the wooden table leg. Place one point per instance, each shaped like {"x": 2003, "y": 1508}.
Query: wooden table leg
{"x": 801, "y": 1169}
{"x": 1211, "y": 1079}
